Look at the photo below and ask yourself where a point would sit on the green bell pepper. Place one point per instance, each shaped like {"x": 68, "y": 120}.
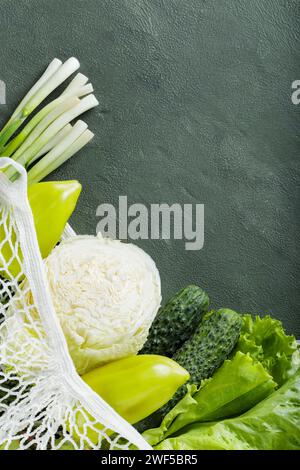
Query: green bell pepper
{"x": 52, "y": 204}
{"x": 135, "y": 387}
{"x": 138, "y": 385}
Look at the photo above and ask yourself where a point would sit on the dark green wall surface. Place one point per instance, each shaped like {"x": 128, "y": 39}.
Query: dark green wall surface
{"x": 195, "y": 107}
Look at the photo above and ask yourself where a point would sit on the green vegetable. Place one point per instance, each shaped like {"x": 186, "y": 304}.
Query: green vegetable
{"x": 48, "y": 134}
{"x": 52, "y": 204}
{"x": 135, "y": 386}
{"x": 266, "y": 341}
{"x": 273, "y": 424}
{"x": 14, "y": 445}
{"x": 202, "y": 355}
{"x": 207, "y": 349}
{"x": 238, "y": 385}
{"x": 176, "y": 321}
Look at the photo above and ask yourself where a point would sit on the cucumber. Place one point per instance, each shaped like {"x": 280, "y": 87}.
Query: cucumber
{"x": 201, "y": 355}
{"x": 206, "y": 350}
{"x": 176, "y": 321}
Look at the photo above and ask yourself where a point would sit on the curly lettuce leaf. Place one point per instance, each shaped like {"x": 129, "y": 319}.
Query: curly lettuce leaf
{"x": 266, "y": 341}
{"x": 238, "y": 385}
{"x": 273, "y": 424}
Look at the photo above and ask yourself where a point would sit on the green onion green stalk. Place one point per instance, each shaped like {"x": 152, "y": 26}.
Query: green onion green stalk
{"x": 48, "y": 139}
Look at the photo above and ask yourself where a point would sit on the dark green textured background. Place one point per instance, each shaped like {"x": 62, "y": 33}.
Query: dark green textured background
{"x": 195, "y": 107}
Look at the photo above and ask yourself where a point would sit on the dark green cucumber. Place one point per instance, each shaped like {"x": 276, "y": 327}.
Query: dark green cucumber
{"x": 207, "y": 349}
{"x": 176, "y": 321}
{"x": 202, "y": 354}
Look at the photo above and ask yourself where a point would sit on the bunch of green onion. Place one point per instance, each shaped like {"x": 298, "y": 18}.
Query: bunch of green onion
{"x": 48, "y": 139}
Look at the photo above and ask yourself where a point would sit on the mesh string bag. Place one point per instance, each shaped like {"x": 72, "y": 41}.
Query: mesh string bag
{"x": 44, "y": 404}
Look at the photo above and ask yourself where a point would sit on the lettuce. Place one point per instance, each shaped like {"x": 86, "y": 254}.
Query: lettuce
{"x": 238, "y": 385}
{"x": 273, "y": 424}
{"x": 264, "y": 359}
{"x": 265, "y": 340}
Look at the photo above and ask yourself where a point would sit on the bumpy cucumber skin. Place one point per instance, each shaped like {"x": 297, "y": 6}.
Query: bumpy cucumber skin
{"x": 207, "y": 349}
{"x": 202, "y": 354}
{"x": 176, "y": 321}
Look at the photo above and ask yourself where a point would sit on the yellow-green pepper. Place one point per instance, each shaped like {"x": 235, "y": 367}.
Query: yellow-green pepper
{"x": 135, "y": 386}
{"x": 52, "y": 204}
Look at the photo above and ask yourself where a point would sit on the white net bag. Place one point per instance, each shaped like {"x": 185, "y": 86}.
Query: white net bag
{"x": 44, "y": 404}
